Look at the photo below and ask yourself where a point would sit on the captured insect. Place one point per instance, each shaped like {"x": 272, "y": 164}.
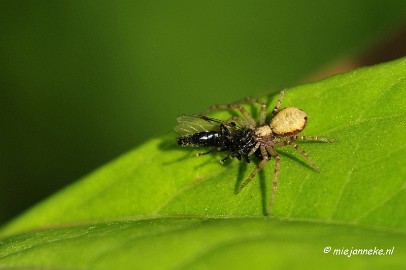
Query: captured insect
{"x": 202, "y": 131}
{"x": 242, "y": 137}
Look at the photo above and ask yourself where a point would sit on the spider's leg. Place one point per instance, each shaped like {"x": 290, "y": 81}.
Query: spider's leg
{"x": 254, "y": 149}
{"x": 278, "y": 104}
{"x": 241, "y": 109}
{"x": 262, "y": 116}
{"x": 303, "y": 152}
{"x": 224, "y": 130}
{"x": 265, "y": 159}
{"x": 274, "y": 154}
{"x": 312, "y": 138}
{"x": 224, "y": 159}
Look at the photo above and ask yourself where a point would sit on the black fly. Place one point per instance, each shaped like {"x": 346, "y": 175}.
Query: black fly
{"x": 219, "y": 136}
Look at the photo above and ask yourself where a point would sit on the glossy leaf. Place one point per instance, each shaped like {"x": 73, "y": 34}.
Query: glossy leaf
{"x": 190, "y": 243}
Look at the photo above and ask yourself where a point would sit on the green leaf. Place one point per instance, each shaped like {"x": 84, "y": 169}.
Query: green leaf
{"x": 161, "y": 206}
{"x": 188, "y": 243}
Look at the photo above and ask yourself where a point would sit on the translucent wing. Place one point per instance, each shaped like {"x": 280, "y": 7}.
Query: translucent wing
{"x": 190, "y": 124}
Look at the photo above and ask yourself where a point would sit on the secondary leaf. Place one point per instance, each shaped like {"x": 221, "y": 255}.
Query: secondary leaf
{"x": 176, "y": 243}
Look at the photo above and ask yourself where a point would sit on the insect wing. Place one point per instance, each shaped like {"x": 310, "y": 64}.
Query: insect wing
{"x": 191, "y": 124}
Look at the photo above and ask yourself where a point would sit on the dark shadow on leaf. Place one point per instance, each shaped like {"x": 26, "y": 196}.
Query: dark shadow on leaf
{"x": 209, "y": 159}
{"x": 263, "y": 186}
{"x": 242, "y": 176}
{"x": 295, "y": 158}
{"x": 168, "y": 143}
{"x": 242, "y": 169}
{"x": 180, "y": 159}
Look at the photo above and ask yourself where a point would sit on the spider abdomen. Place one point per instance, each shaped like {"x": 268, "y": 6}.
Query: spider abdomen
{"x": 288, "y": 121}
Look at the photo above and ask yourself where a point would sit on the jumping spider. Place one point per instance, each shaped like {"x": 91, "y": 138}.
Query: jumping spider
{"x": 249, "y": 137}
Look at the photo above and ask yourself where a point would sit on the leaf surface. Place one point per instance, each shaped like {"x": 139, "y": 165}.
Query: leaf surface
{"x": 161, "y": 204}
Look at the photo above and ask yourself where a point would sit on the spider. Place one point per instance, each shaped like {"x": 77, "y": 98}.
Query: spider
{"x": 250, "y": 137}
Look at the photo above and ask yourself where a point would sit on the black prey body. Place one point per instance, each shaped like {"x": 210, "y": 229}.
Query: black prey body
{"x": 238, "y": 142}
{"x": 202, "y": 139}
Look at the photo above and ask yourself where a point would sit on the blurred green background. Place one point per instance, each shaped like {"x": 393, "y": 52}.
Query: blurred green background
{"x": 84, "y": 81}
